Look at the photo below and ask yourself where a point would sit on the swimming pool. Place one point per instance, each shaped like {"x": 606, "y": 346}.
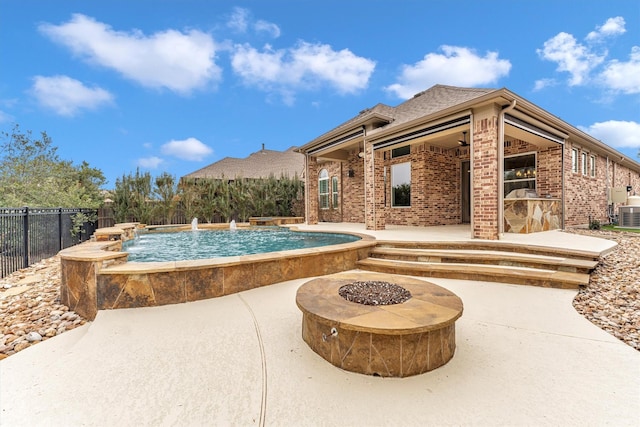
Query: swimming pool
{"x": 98, "y": 275}
{"x": 204, "y": 244}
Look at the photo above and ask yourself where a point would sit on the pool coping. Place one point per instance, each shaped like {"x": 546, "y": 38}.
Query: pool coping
{"x": 96, "y": 275}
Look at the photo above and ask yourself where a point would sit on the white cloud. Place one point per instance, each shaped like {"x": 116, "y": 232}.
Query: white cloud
{"x": 150, "y": 162}
{"x": 238, "y": 21}
{"x": 67, "y": 96}
{"x": 457, "y": 66}
{"x": 544, "y": 83}
{"x": 304, "y": 67}
{"x": 186, "y": 149}
{"x": 571, "y": 56}
{"x": 586, "y": 62}
{"x": 624, "y": 76}
{"x": 267, "y": 27}
{"x": 5, "y": 117}
{"x": 171, "y": 59}
{"x": 619, "y": 134}
{"x": 613, "y": 27}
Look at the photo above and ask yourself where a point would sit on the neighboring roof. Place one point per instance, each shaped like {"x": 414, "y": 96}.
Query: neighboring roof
{"x": 260, "y": 164}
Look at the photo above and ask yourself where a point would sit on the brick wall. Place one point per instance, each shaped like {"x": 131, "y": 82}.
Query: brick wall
{"x": 311, "y": 190}
{"x": 333, "y": 213}
{"x": 352, "y": 194}
{"x": 435, "y": 186}
{"x": 374, "y": 209}
{"x": 586, "y": 197}
{"x": 548, "y": 165}
{"x": 484, "y": 163}
{"x": 549, "y": 172}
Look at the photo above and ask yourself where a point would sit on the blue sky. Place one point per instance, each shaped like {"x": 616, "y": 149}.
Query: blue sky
{"x": 172, "y": 86}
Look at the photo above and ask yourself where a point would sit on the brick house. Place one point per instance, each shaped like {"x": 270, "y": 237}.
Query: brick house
{"x": 449, "y": 155}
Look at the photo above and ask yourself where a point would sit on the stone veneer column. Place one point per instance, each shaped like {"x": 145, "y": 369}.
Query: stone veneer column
{"x": 374, "y": 210}
{"x": 311, "y": 190}
{"x": 484, "y": 163}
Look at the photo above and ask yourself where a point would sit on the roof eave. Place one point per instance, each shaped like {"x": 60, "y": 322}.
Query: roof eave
{"x": 340, "y": 131}
{"x": 449, "y": 111}
{"x": 572, "y": 131}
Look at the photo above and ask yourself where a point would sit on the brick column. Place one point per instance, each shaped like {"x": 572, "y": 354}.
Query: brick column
{"x": 374, "y": 210}
{"x": 380, "y": 188}
{"x": 311, "y": 190}
{"x": 484, "y": 163}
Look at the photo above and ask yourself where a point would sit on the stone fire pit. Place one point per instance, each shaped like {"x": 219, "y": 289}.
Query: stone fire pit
{"x": 401, "y": 326}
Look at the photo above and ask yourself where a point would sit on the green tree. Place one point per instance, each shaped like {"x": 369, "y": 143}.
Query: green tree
{"x": 287, "y": 192}
{"x": 190, "y": 198}
{"x": 141, "y": 196}
{"x": 221, "y": 199}
{"x": 242, "y": 203}
{"x": 122, "y": 199}
{"x": 204, "y": 209}
{"x": 32, "y": 174}
{"x": 166, "y": 191}
{"x": 133, "y": 198}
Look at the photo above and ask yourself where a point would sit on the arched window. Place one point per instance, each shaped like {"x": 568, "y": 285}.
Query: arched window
{"x": 323, "y": 189}
{"x": 334, "y": 191}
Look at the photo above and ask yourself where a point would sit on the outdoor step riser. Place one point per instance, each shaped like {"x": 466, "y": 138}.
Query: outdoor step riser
{"x": 482, "y": 261}
{"x": 471, "y": 274}
{"x": 490, "y": 247}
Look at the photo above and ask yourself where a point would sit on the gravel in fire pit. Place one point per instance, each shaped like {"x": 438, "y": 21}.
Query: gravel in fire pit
{"x": 374, "y": 293}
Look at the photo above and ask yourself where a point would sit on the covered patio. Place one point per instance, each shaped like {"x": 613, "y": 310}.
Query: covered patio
{"x": 449, "y": 155}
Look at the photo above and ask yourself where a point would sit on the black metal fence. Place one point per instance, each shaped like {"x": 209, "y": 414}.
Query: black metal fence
{"x": 29, "y": 235}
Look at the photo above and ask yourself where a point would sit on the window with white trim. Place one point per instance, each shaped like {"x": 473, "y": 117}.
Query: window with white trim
{"x": 334, "y": 191}
{"x": 583, "y": 163}
{"x": 592, "y": 166}
{"x": 323, "y": 189}
{"x": 574, "y": 160}
{"x": 401, "y": 185}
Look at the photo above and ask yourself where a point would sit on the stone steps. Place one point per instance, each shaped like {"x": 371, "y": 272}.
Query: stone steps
{"x": 484, "y": 261}
{"x": 501, "y": 246}
{"x": 486, "y": 257}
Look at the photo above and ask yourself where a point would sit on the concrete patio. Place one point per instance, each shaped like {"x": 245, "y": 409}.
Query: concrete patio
{"x": 524, "y": 356}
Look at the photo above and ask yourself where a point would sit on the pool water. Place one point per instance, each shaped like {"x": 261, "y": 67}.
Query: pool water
{"x": 203, "y": 244}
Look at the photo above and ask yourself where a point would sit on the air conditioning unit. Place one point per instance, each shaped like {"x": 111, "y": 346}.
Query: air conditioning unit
{"x": 629, "y": 216}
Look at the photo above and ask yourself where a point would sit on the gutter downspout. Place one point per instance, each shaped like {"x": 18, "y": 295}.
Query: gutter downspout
{"x": 501, "y": 168}
{"x": 609, "y": 198}
{"x": 562, "y": 185}
{"x": 471, "y": 172}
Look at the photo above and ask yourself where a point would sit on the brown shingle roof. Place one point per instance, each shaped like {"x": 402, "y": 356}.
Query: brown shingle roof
{"x": 260, "y": 164}
{"x": 432, "y": 100}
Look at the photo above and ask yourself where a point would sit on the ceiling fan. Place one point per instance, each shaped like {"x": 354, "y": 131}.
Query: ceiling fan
{"x": 463, "y": 142}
